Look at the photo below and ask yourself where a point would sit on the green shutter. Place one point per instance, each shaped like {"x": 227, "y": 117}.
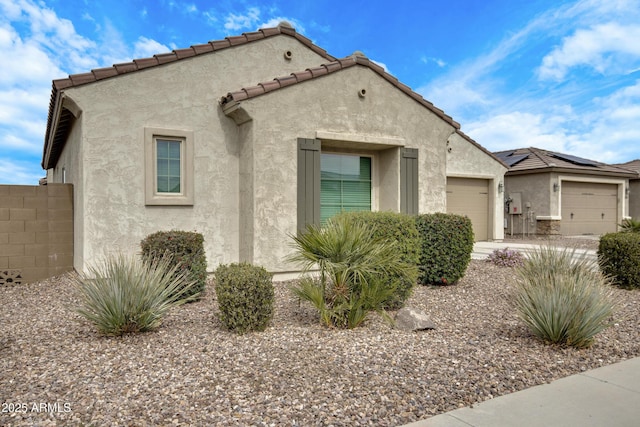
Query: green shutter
{"x": 409, "y": 181}
{"x": 308, "y": 182}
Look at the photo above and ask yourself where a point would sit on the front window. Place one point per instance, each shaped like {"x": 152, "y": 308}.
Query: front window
{"x": 168, "y": 155}
{"x": 345, "y": 184}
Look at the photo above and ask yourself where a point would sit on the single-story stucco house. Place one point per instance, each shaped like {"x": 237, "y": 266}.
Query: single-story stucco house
{"x": 247, "y": 140}
{"x": 634, "y": 188}
{"x": 551, "y": 193}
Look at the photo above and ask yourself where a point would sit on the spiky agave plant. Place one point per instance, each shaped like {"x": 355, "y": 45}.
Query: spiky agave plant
{"x": 122, "y": 294}
{"x": 562, "y": 297}
{"x": 352, "y": 267}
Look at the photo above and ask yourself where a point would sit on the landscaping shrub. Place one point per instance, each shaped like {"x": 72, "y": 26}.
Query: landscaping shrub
{"x": 401, "y": 229}
{"x": 506, "y": 258}
{"x": 187, "y": 253}
{"x": 354, "y": 269}
{"x": 563, "y": 299}
{"x": 122, "y": 295}
{"x": 245, "y": 297}
{"x": 446, "y": 245}
{"x": 619, "y": 258}
{"x": 630, "y": 225}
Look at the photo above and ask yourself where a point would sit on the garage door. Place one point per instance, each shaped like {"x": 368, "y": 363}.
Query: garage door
{"x": 470, "y": 197}
{"x": 588, "y": 208}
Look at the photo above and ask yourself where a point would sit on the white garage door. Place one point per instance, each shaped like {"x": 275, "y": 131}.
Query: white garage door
{"x": 588, "y": 208}
{"x": 470, "y": 197}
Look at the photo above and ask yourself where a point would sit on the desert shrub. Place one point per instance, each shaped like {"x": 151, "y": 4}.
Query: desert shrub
{"x": 630, "y": 225}
{"x": 245, "y": 297}
{"x": 563, "y": 298}
{"x": 619, "y": 258}
{"x": 121, "y": 295}
{"x": 354, "y": 267}
{"x": 506, "y": 258}
{"x": 446, "y": 244}
{"x": 187, "y": 254}
{"x": 401, "y": 229}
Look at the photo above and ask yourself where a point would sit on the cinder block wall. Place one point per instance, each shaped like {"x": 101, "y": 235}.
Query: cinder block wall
{"x": 36, "y": 232}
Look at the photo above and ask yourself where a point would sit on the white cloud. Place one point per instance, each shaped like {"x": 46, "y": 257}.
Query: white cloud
{"x": 607, "y": 48}
{"x": 429, "y": 60}
{"x": 274, "y": 22}
{"x": 19, "y": 172}
{"x": 247, "y": 20}
{"x": 145, "y": 47}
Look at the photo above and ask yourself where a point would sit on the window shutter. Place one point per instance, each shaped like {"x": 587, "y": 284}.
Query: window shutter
{"x": 308, "y": 182}
{"x": 409, "y": 181}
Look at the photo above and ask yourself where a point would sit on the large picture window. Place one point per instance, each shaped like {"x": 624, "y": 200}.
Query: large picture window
{"x": 345, "y": 184}
{"x": 168, "y": 167}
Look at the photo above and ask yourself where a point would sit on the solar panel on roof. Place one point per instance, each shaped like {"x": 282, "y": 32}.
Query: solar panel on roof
{"x": 512, "y": 160}
{"x": 574, "y": 159}
{"x": 504, "y": 154}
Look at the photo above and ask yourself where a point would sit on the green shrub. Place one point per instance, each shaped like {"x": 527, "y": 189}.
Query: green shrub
{"x": 187, "y": 251}
{"x": 245, "y": 297}
{"x": 630, "y": 225}
{"x": 401, "y": 229}
{"x": 619, "y": 258}
{"x": 354, "y": 268}
{"x": 446, "y": 245}
{"x": 562, "y": 298}
{"x": 122, "y": 295}
{"x": 506, "y": 258}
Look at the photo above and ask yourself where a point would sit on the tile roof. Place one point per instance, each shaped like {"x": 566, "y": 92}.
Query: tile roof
{"x": 329, "y": 68}
{"x": 52, "y": 146}
{"x": 633, "y": 165}
{"x": 528, "y": 160}
{"x": 480, "y": 147}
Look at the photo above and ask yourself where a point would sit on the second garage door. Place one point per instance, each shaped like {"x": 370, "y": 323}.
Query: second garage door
{"x": 588, "y": 208}
{"x": 470, "y": 197}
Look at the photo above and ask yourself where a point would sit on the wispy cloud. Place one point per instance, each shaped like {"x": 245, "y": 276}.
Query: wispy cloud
{"x": 246, "y": 20}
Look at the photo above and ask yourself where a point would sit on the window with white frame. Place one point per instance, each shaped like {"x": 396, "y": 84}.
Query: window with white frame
{"x": 168, "y": 167}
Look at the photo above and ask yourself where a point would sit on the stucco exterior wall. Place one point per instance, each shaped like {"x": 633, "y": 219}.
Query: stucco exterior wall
{"x": 108, "y": 141}
{"x": 466, "y": 160}
{"x": 329, "y": 108}
{"x": 537, "y": 192}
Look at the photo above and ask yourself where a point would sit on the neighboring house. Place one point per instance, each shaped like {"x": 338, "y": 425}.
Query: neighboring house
{"x": 633, "y": 192}
{"x": 550, "y": 193}
{"x": 190, "y": 140}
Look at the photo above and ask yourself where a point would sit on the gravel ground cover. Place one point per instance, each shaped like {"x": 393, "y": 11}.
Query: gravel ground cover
{"x": 55, "y": 370}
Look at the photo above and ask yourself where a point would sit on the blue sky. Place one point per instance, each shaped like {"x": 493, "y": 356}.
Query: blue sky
{"x": 559, "y": 75}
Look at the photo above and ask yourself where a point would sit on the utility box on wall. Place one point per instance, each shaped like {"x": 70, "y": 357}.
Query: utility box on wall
{"x": 515, "y": 203}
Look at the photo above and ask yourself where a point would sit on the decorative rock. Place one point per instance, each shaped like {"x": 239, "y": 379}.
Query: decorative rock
{"x": 411, "y": 319}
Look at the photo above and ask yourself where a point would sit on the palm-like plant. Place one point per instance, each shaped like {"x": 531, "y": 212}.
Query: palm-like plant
{"x": 352, "y": 268}
{"x": 563, "y": 298}
{"x": 124, "y": 294}
{"x": 630, "y": 225}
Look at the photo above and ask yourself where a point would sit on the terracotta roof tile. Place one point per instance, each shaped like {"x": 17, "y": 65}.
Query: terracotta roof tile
{"x": 51, "y": 138}
{"x": 325, "y": 69}
{"x": 185, "y": 53}
{"x": 145, "y": 62}
{"x": 199, "y": 49}
{"x": 163, "y": 58}
{"x": 126, "y": 67}
{"x": 103, "y": 73}
{"x": 83, "y": 78}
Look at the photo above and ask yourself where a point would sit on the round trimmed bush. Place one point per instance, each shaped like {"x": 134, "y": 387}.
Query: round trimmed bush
{"x": 619, "y": 258}
{"x": 245, "y": 297}
{"x": 446, "y": 247}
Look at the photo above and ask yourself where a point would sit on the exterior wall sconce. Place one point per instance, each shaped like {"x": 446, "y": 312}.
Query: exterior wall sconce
{"x": 556, "y": 187}
{"x": 500, "y": 187}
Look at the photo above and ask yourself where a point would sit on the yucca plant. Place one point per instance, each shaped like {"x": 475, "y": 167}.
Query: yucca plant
{"x": 562, "y": 297}
{"x": 353, "y": 268}
{"x": 123, "y": 294}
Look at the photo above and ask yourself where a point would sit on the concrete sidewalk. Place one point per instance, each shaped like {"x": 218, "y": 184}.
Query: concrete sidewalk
{"x": 607, "y": 396}
{"x": 481, "y": 250}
